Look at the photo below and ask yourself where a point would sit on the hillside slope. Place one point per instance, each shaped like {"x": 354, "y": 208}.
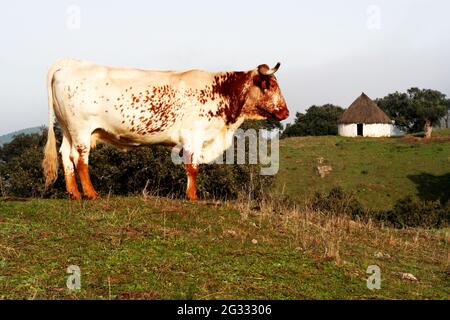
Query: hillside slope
{"x": 6, "y": 138}
{"x": 379, "y": 171}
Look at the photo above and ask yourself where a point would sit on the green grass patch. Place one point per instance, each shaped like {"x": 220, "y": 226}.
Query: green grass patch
{"x": 378, "y": 171}
{"x": 158, "y": 248}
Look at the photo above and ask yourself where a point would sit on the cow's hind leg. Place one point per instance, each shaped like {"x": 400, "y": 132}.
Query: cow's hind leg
{"x": 80, "y": 157}
{"x": 69, "y": 170}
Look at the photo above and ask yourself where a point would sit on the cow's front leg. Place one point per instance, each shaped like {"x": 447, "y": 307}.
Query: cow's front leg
{"x": 192, "y": 172}
{"x": 191, "y": 167}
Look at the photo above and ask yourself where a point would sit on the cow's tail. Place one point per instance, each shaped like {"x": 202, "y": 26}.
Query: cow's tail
{"x": 50, "y": 162}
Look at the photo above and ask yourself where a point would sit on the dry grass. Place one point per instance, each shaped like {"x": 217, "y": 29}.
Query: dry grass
{"x": 154, "y": 247}
{"x": 346, "y": 241}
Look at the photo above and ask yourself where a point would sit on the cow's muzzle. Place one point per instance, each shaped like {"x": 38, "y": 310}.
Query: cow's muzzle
{"x": 277, "y": 115}
{"x": 282, "y": 114}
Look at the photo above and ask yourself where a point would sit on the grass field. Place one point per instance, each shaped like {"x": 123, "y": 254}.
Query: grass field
{"x": 379, "y": 171}
{"x": 159, "y": 248}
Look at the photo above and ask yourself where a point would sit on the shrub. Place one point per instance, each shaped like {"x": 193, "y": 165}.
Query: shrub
{"x": 412, "y": 212}
{"x": 338, "y": 202}
{"x": 124, "y": 173}
{"x": 20, "y": 167}
{"x": 407, "y": 212}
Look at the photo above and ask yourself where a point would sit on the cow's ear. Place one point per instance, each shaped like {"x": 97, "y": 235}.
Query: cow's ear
{"x": 260, "y": 81}
{"x": 264, "y": 69}
{"x": 257, "y": 79}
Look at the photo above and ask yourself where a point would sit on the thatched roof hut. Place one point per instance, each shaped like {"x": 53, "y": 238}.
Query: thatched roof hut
{"x": 365, "y": 118}
{"x": 364, "y": 110}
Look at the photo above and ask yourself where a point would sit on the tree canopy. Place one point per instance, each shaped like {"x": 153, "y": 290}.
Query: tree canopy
{"x": 416, "y": 109}
{"x": 261, "y": 124}
{"x": 317, "y": 121}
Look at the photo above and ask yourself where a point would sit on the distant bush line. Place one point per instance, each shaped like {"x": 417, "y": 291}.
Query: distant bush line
{"x": 123, "y": 173}
{"x": 407, "y": 212}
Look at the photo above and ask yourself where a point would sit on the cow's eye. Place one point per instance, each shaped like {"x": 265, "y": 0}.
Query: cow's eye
{"x": 264, "y": 86}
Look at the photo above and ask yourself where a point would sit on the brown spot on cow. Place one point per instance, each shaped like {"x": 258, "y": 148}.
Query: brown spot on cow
{"x": 230, "y": 87}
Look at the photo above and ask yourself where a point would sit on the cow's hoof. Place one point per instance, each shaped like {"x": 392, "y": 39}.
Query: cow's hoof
{"x": 192, "y": 198}
{"x": 75, "y": 196}
{"x": 93, "y": 196}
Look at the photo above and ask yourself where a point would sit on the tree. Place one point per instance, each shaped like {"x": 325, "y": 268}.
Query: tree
{"x": 429, "y": 106}
{"x": 398, "y": 107}
{"x": 317, "y": 121}
{"x": 416, "y": 109}
{"x": 447, "y": 114}
{"x": 261, "y": 124}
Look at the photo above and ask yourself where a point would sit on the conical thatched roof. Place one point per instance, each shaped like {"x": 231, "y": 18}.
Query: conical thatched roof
{"x": 364, "y": 110}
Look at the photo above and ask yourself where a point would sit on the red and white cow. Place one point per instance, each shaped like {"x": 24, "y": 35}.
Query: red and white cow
{"x": 132, "y": 107}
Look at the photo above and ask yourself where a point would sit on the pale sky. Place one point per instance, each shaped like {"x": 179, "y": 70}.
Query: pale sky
{"x": 330, "y": 51}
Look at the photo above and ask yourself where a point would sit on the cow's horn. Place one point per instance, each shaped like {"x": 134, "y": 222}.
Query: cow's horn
{"x": 264, "y": 70}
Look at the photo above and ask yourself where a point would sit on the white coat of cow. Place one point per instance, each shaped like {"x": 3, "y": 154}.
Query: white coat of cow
{"x": 131, "y": 107}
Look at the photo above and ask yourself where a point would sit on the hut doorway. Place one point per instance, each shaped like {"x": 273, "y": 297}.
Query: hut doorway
{"x": 359, "y": 129}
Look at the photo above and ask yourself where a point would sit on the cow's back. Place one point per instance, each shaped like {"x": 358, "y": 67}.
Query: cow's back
{"x": 70, "y": 69}
{"x": 137, "y": 105}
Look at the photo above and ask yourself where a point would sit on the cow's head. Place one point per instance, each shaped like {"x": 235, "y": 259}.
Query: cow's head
{"x": 264, "y": 98}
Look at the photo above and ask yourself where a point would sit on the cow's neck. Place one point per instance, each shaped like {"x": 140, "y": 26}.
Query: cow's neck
{"x": 231, "y": 88}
